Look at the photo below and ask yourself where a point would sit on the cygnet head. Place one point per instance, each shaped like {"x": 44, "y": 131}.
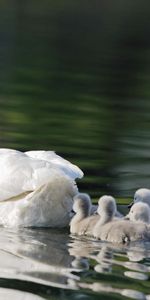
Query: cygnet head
{"x": 82, "y": 204}
{"x": 107, "y": 206}
{"x": 139, "y": 212}
{"x": 141, "y": 195}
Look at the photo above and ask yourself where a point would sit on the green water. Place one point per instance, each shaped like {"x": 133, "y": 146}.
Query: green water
{"x": 74, "y": 78}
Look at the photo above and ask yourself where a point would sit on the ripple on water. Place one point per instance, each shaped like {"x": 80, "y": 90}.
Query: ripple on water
{"x": 9, "y": 294}
{"x": 51, "y": 261}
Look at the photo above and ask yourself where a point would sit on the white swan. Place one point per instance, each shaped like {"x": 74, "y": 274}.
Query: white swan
{"x": 36, "y": 188}
{"x": 114, "y": 230}
{"x": 140, "y": 212}
{"x": 141, "y": 195}
{"x": 82, "y": 223}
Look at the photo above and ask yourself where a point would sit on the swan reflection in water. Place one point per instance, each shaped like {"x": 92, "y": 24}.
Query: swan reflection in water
{"x": 9, "y": 294}
{"x": 54, "y": 259}
{"x": 36, "y": 255}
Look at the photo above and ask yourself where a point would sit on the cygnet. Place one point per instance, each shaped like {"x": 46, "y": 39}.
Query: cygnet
{"x": 108, "y": 228}
{"x": 82, "y": 223}
{"x": 106, "y": 210}
{"x": 141, "y": 195}
{"x": 139, "y": 212}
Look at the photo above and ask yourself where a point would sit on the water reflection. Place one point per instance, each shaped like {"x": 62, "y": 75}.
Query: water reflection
{"x": 113, "y": 261}
{"x": 8, "y": 294}
{"x": 36, "y": 255}
{"x": 74, "y": 78}
{"x": 54, "y": 260}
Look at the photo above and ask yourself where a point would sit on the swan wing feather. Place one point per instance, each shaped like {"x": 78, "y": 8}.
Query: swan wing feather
{"x": 67, "y": 167}
{"x": 19, "y": 172}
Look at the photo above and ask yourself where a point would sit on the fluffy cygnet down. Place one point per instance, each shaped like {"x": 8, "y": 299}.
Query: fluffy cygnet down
{"x": 139, "y": 212}
{"x": 106, "y": 210}
{"x": 82, "y": 223}
{"x": 141, "y": 195}
{"x": 95, "y": 207}
{"x": 117, "y": 231}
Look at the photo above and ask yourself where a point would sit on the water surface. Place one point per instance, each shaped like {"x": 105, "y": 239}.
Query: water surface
{"x": 74, "y": 78}
{"x": 52, "y": 264}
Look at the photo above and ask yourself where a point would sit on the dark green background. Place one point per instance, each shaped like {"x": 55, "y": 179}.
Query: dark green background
{"x": 74, "y": 78}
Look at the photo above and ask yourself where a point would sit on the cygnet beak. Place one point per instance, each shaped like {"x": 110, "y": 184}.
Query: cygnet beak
{"x": 130, "y": 205}
{"x": 72, "y": 213}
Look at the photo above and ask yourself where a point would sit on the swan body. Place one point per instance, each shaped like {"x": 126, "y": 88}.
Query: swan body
{"x": 36, "y": 188}
{"x": 114, "y": 230}
{"x": 139, "y": 212}
{"x": 82, "y": 223}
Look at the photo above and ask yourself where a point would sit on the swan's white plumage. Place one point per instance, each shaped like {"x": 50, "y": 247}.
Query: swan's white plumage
{"x": 40, "y": 182}
{"x": 68, "y": 168}
{"x": 21, "y": 172}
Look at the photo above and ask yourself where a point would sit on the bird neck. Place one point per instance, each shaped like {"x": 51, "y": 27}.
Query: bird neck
{"x": 105, "y": 218}
{"x": 80, "y": 216}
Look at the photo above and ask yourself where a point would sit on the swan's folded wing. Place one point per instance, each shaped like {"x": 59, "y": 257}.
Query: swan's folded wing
{"x": 20, "y": 173}
{"x": 68, "y": 168}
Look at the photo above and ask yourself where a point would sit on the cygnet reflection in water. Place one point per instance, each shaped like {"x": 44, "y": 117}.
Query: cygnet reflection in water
{"x": 104, "y": 288}
{"x": 104, "y": 257}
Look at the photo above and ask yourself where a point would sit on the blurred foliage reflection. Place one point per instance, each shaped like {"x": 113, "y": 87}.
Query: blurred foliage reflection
{"x": 74, "y": 78}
